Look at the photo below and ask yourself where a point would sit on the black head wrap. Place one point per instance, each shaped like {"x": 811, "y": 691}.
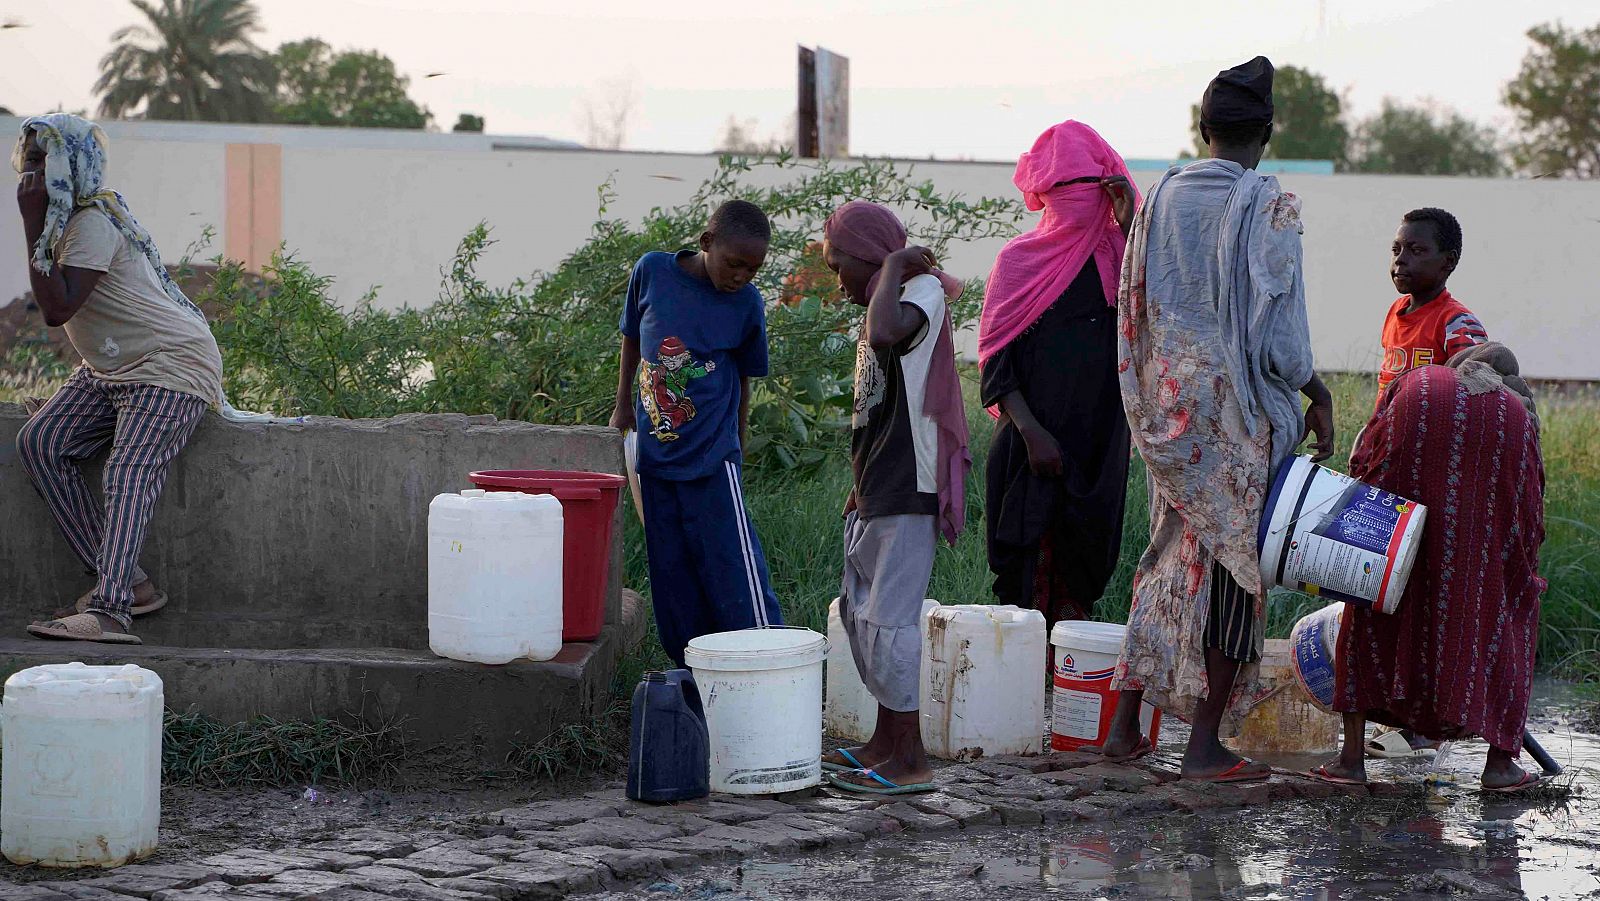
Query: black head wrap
{"x": 1240, "y": 96}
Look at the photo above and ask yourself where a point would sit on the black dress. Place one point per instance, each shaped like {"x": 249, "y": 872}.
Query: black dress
{"x": 1053, "y": 542}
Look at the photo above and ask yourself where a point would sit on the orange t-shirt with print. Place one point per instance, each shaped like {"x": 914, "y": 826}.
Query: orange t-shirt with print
{"x": 1431, "y": 334}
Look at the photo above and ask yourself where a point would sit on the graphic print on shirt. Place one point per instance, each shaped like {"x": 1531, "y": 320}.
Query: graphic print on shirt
{"x": 1461, "y": 332}
{"x": 869, "y": 384}
{"x": 111, "y": 348}
{"x": 664, "y": 387}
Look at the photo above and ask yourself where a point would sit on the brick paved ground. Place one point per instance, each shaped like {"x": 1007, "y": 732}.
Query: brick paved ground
{"x": 556, "y": 848}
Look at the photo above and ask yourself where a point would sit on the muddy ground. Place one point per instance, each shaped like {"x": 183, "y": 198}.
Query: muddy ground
{"x": 1456, "y": 842}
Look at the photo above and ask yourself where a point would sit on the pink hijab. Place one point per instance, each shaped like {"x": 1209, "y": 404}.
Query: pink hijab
{"x": 870, "y": 232}
{"x": 1034, "y": 268}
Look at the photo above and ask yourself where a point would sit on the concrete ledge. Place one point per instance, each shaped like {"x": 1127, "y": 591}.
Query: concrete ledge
{"x": 309, "y": 535}
{"x": 469, "y": 710}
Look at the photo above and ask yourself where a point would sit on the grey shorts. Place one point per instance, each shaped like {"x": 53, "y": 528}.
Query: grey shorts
{"x": 888, "y": 561}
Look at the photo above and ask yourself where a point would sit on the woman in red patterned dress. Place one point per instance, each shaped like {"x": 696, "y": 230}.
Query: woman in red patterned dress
{"x": 1457, "y": 658}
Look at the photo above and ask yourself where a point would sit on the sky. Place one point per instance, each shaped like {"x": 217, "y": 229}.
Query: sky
{"x": 956, "y": 80}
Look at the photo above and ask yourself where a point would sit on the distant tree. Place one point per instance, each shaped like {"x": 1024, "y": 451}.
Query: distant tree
{"x": 1556, "y": 98}
{"x": 6, "y": 111}
{"x": 190, "y": 59}
{"x": 740, "y": 137}
{"x": 351, "y": 88}
{"x": 469, "y": 122}
{"x": 1425, "y": 139}
{"x": 608, "y": 114}
{"x": 1307, "y": 119}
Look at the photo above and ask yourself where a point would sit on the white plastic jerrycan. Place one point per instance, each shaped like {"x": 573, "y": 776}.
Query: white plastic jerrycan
{"x": 494, "y": 576}
{"x": 983, "y": 692}
{"x": 850, "y": 711}
{"x": 80, "y": 781}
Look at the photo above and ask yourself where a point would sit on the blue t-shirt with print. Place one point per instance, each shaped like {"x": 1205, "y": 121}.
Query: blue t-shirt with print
{"x": 695, "y": 343}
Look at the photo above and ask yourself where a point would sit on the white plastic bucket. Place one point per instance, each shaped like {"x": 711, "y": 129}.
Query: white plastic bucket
{"x": 1314, "y": 639}
{"x": 1083, "y": 701}
{"x": 850, "y": 712}
{"x": 1331, "y": 536}
{"x": 762, "y": 691}
{"x": 982, "y": 695}
{"x": 80, "y": 782}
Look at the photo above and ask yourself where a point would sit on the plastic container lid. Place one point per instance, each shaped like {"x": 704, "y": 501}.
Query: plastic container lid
{"x": 1101, "y": 638}
{"x": 748, "y": 650}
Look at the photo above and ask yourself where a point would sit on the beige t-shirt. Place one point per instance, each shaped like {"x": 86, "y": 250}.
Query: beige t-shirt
{"x": 129, "y": 330}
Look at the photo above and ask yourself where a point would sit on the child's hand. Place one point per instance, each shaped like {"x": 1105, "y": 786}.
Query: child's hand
{"x": 622, "y": 419}
{"x": 913, "y": 260}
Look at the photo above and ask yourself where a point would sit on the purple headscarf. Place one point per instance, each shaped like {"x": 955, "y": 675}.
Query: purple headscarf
{"x": 870, "y": 232}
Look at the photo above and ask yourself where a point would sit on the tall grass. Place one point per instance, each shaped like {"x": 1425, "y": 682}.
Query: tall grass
{"x": 798, "y": 517}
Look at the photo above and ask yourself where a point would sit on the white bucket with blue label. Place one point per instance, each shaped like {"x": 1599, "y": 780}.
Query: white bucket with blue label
{"x": 1331, "y": 536}
{"x": 1314, "y": 641}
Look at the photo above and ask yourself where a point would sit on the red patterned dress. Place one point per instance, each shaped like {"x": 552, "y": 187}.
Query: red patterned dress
{"x": 1457, "y": 658}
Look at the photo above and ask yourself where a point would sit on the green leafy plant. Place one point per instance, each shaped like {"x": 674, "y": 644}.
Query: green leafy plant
{"x": 544, "y": 348}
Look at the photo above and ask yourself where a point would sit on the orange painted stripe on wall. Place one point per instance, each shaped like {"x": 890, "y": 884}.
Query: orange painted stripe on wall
{"x": 253, "y": 203}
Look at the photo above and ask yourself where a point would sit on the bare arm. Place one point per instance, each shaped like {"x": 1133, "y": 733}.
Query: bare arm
{"x": 622, "y": 413}
{"x": 63, "y": 292}
{"x": 744, "y": 411}
{"x": 1319, "y": 418}
{"x": 1044, "y": 452}
{"x": 888, "y": 320}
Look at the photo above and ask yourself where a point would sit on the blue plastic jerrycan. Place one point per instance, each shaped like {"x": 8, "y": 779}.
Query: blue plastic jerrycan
{"x": 669, "y": 754}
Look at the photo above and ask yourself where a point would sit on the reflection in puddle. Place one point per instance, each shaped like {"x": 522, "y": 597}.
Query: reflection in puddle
{"x": 1457, "y": 843}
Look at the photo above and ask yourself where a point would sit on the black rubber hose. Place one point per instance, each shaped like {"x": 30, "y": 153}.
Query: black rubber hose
{"x": 1540, "y": 755}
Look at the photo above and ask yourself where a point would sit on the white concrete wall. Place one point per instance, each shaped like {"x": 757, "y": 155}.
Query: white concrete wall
{"x": 390, "y": 216}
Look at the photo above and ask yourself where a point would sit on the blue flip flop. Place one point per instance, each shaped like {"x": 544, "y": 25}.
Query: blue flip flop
{"x": 888, "y": 788}
{"x": 855, "y": 765}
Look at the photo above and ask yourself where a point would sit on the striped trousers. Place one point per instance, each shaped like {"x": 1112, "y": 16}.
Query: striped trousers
{"x": 146, "y": 427}
{"x": 707, "y": 571}
{"x": 1232, "y": 626}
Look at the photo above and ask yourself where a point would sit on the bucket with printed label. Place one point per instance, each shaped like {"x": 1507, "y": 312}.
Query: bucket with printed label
{"x": 1331, "y": 536}
{"x": 1083, "y": 701}
{"x": 1314, "y": 641}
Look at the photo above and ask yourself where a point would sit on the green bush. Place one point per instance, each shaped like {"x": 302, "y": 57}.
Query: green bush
{"x": 544, "y": 348}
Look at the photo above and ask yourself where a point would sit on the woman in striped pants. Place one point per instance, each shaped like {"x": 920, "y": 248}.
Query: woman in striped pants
{"x": 150, "y": 370}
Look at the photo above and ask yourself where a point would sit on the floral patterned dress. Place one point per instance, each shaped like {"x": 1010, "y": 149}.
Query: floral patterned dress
{"x": 1213, "y": 346}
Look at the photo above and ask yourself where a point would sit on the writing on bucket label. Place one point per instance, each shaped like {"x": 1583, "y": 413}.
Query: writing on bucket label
{"x": 1346, "y": 555}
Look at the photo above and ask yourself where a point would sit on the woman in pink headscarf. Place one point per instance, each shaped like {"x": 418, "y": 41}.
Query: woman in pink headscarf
{"x": 1058, "y": 467}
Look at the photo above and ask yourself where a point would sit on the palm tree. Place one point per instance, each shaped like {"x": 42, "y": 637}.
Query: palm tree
{"x": 193, "y": 59}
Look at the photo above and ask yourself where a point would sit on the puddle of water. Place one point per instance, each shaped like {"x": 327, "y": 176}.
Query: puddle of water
{"x": 1457, "y": 843}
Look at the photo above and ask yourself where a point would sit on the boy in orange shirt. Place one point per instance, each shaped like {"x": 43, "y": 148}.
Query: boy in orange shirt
{"x": 1426, "y": 325}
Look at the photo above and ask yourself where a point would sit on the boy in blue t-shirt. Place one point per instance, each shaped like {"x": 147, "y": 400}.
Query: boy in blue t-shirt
{"x": 695, "y": 330}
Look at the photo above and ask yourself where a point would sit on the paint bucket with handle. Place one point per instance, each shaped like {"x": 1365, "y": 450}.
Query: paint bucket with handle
{"x": 1331, "y": 536}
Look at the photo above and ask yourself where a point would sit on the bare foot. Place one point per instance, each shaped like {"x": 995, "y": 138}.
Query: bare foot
{"x": 1337, "y": 770}
{"x": 1209, "y": 759}
{"x": 863, "y": 758}
{"x": 898, "y": 772}
{"x": 1501, "y": 770}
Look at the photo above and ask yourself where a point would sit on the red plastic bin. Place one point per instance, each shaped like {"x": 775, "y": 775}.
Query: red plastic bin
{"x": 588, "y": 503}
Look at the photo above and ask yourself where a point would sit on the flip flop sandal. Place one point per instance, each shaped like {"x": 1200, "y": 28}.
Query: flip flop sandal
{"x": 856, "y": 766}
{"x": 80, "y": 627}
{"x": 1235, "y": 773}
{"x": 1143, "y": 749}
{"x": 1389, "y": 744}
{"x": 1321, "y": 774}
{"x": 884, "y": 787}
{"x": 82, "y": 606}
{"x": 1528, "y": 780}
